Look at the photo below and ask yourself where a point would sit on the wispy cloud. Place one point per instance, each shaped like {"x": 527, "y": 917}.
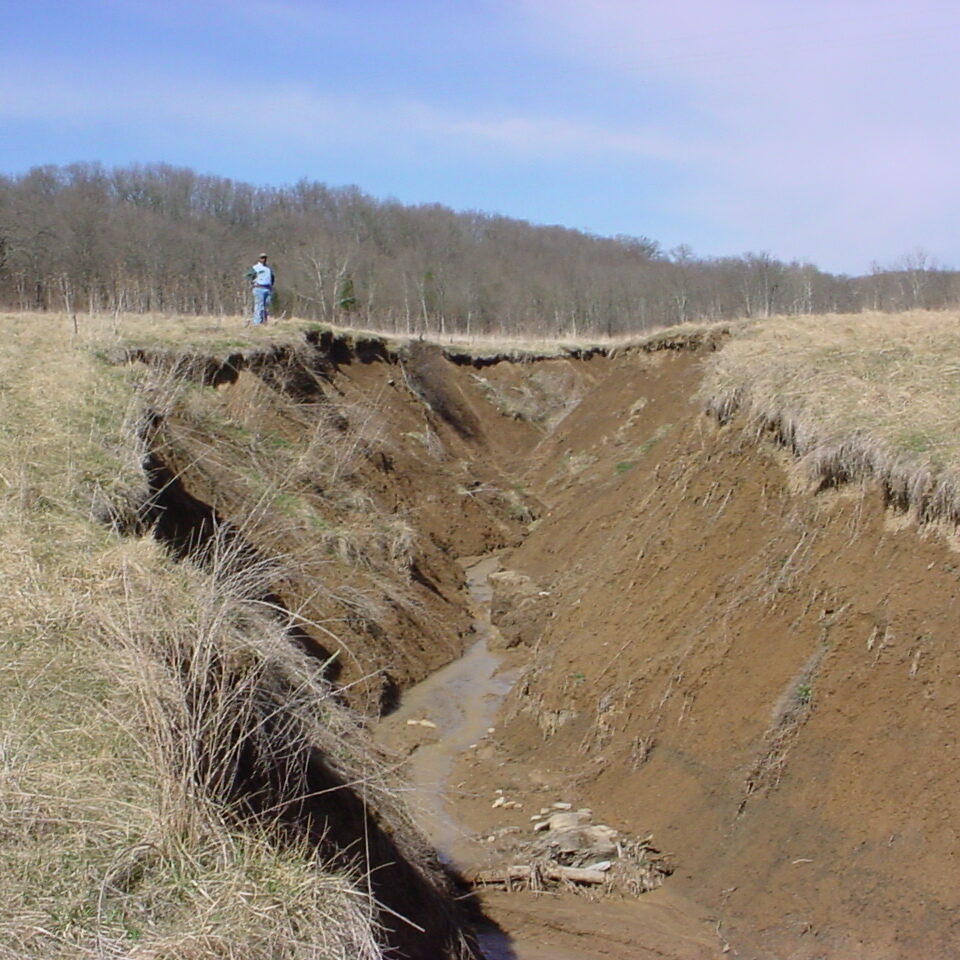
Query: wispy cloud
{"x": 824, "y": 126}
{"x": 46, "y": 92}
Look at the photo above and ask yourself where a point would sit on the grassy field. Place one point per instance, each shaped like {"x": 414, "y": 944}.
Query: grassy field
{"x": 222, "y": 335}
{"x": 108, "y": 847}
{"x": 864, "y": 396}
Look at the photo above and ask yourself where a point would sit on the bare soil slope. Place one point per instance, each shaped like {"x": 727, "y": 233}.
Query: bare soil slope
{"x": 764, "y": 677}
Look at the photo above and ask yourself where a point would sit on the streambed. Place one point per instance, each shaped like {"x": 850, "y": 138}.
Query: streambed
{"x": 444, "y": 717}
{"x": 448, "y": 713}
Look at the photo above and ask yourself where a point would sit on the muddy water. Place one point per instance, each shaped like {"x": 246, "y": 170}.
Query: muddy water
{"x": 445, "y": 716}
{"x": 461, "y": 700}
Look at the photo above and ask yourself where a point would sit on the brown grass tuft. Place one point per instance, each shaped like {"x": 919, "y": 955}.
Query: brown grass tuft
{"x": 866, "y": 396}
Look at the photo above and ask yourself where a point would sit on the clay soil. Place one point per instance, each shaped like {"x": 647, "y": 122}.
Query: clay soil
{"x": 762, "y": 676}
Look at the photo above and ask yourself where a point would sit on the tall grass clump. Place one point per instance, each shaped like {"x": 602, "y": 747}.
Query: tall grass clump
{"x": 865, "y": 396}
{"x": 160, "y": 735}
{"x": 120, "y": 757}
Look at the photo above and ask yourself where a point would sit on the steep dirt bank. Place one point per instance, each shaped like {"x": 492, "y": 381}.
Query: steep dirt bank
{"x": 764, "y": 677}
{"x": 761, "y": 676}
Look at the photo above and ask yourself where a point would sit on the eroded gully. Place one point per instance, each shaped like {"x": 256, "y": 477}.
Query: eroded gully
{"x": 454, "y": 711}
{"x": 447, "y": 714}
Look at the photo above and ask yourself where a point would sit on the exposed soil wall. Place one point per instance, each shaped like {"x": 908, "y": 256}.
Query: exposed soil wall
{"x": 764, "y": 678}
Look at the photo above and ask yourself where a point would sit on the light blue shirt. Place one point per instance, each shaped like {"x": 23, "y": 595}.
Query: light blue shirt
{"x": 263, "y": 275}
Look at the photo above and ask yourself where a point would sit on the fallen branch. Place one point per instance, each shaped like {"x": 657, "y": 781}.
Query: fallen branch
{"x": 520, "y": 872}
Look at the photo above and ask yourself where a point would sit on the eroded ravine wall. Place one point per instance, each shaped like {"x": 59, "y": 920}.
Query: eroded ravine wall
{"x": 366, "y": 473}
{"x": 361, "y": 494}
{"x": 764, "y": 677}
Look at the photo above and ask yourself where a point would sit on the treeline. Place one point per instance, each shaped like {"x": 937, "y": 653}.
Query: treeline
{"x": 162, "y": 238}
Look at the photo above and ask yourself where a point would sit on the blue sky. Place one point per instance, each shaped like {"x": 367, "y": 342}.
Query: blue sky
{"x": 814, "y": 130}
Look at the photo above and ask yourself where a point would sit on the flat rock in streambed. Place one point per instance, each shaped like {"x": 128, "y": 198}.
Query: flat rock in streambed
{"x": 519, "y": 609}
{"x": 598, "y": 840}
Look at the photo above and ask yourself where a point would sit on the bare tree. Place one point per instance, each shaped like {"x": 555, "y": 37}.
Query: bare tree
{"x": 158, "y": 237}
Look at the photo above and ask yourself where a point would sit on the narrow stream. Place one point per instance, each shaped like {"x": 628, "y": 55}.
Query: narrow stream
{"x": 461, "y": 700}
{"x": 445, "y": 715}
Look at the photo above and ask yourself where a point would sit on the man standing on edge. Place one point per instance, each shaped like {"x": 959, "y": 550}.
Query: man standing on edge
{"x": 263, "y": 279}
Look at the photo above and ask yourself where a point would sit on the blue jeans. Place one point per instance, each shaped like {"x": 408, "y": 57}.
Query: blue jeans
{"x": 261, "y": 303}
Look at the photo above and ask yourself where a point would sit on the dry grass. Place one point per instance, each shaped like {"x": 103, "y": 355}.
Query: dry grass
{"x": 296, "y": 469}
{"x": 227, "y": 334}
{"x": 122, "y": 674}
{"x": 790, "y": 713}
{"x": 525, "y": 349}
{"x": 866, "y": 396}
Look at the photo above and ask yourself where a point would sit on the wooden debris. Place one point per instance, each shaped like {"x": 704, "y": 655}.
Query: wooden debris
{"x": 528, "y": 874}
